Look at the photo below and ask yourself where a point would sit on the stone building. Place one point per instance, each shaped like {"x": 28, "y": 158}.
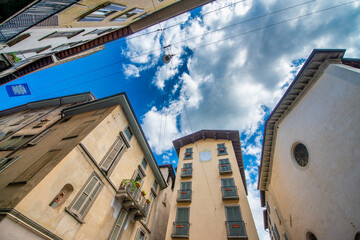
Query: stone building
{"x": 309, "y": 173}
{"x": 82, "y": 174}
{"x": 210, "y": 198}
{"x": 43, "y": 33}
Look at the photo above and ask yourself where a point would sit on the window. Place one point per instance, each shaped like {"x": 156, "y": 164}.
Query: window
{"x": 113, "y": 156}
{"x": 188, "y": 153}
{"x": 277, "y": 214}
{"x": 144, "y": 163}
{"x": 67, "y": 34}
{"x": 301, "y": 154}
{"x": 40, "y": 137}
{"x": 235, "y": 226}
{"x": 152, "y": 198}
{"x": 228, "y": 188}
{"x": 276, "y": 232}
{"x": 36, "y": 167}
{"x": 268, "y": 207}
{"x": 125, "y": 16}
{"x": 14, "y": 142}
{"x": 62, "y": 196}
{"x": 128, "y": 132}
{"x": 184, "y": 194}
{"x": 23, "y": 120}
{"x": 186, "y": 171}
{"x": 77, "y": 131}
{"x": 119, "y": 225}
{"x": 86, "y": 198}
{"x": 99, "y": 31}
{"x": 221, "y": 149}
{"x": 6, "y": 162}
{"x": 102, "y": 12}
{"x": 224, "y": 166}
{"x": 140, "y": 235}
{"x": 65, "y": 46}
{"x": 181, "y": 224}
{"x": 155, "y": 185}
{"x": 310, "y": 236}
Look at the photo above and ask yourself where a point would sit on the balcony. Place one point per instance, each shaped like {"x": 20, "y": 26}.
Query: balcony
{"x": 184, "y": 196}
{"x": 180, "y": 230}
{"x": 186, "y": 173}
{"x": 229, "y": 193}
{"x": 225, "y": 168}
{"x": 235, "y": 230}
{"x": 132, "y": 199}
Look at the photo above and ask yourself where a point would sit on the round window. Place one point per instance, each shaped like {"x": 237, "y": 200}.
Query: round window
{"x": 311, "y": 236}
{"x": 301, "y": 154}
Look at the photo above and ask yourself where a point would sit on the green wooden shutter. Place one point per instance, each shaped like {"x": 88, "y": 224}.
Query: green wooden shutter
{"x": 182, "y": 221}
{"x": 110, "y": 157}
{"x": 185, "y": 186}
{"x": 119, "y": 224}
{"x": 227, "y": 182}
{"x": 235, "y": 225}
{"x": 36, "y": 167}
{"x": 233, "y": 213}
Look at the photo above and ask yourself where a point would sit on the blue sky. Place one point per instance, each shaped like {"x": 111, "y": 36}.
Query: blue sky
{"x": 230, "y": 68}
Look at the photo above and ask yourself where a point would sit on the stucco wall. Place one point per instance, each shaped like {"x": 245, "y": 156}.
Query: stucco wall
{"x": 207, "y": 214}
{"x": 323, "y": 196}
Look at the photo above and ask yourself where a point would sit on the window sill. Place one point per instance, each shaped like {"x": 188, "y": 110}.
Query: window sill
{"x": 73, "y": 215}
{"x": 220, "y": 154}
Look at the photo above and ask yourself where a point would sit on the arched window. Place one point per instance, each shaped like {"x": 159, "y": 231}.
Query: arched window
{"x": 61, "y": 197}
{"x": 310, "y": 236}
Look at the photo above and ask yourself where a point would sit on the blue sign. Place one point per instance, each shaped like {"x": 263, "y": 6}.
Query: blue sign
{"x": 16, "y": 90}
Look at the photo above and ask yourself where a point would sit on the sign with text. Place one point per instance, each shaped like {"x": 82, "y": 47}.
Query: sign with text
{"x": 16, "y": 90}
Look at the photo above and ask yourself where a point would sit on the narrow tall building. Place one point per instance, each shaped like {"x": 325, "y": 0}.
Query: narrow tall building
{"x": 81, "y": 171}
{"x": 210, "y": 194}
{"x": 309, "y": 173}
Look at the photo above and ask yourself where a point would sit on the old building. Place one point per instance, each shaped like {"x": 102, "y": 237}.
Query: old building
{"x": 309, "y": 174}
{"x": 210, "y": 198}
{"x": 88, "y": 175}
{"x": 158, "y": 230}
{"x": 38, "y": 34}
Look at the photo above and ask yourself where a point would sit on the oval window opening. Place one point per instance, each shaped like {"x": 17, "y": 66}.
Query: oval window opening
{"x": 301, "y": 154}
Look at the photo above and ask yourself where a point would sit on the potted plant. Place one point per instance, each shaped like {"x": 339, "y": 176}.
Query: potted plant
{"x": 143, "y": 193}
{"x": 138, "y": 184}
{"x": 148, "y": 201}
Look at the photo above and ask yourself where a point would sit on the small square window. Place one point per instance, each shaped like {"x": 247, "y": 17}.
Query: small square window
{"x": 128, "y": 133}
{"x": 155, "y": 185}
{"x": 144, "y": 163}
{"x": 221, "y": 149}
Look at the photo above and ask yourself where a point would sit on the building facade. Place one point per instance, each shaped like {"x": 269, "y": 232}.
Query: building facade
{"x": 88, "y": 175}
{"x": 210, "y": 197}
{"x": 36, "y": 34}
{"x": 309, "y": 173}
{"x": 158, "y": 230}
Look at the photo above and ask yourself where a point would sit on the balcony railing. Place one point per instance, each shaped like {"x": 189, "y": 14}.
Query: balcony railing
{"x": 186, "y": 172}
{"x": 184, "y": 196}
{"x": 236, "y": 230}
{"x": 180, "y": 230}
{"x": 229, "y": 192}
{"x": 225, "y": 168}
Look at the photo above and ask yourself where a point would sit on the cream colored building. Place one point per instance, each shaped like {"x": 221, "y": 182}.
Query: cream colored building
{"x": 309, "y": 174}
{"x": 210, "y": 197}
{"x": 158, "y": 230}
{"x": 46, "y": 32}
{"x": 80, "y": 177}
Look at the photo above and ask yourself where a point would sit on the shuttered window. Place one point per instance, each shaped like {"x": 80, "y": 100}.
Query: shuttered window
{"x": 155, "y": 185}
{"x": 6, "y": 162}
{"x": 87, "y": 196}
{"x": 36, "y": 167}
{"x": 40, "y": 137}
{"x": 234, "y": 224}
{"x": 25, "y": 118}
{"x": 152, "y": 198}
{"x": 228, "y": 188}
{"x": 221, "y": 149}
{"x": 119, "y": 225}
{"x": 113, "y": 154}
{"x": 182, "y": 222}
{"x": 140, "y": 235}
{"x": 144, "y": 163}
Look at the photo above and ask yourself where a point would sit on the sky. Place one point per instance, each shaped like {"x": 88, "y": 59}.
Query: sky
{"x": 231, "y": 62}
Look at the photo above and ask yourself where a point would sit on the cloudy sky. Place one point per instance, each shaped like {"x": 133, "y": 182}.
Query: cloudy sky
{"x": 231, "y": 62}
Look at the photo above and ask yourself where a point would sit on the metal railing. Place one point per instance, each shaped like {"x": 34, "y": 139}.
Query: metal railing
{"x": 186, "y": 172}
{"x": 132, "y": 190}
{"x": 229, "y": 192}
{"x": 180, "y": 229}
{"x": 225, "y": 168}
{"x": 235, "y": 229}
{"x": 184, "y": 195}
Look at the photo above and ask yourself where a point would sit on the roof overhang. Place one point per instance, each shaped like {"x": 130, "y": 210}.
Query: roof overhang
{"x": 232, "y": 135}
{"x": 312, "y": 70}
{"x": 122, "y": 100}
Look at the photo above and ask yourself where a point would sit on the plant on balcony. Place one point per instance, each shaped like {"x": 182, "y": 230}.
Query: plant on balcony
{"x": 129, "y": 182}
{"x": 143, "y": 193}
{"x": 187, "y": 154}
{"x": 148, "y": 201}
{"x": 138, "y": 184}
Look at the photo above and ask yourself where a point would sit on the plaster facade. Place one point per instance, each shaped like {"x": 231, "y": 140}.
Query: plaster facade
{"x": 207, "y": 215}
{"x": 319, "y": 198}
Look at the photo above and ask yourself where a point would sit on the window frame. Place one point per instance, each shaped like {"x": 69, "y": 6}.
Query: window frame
{"x": 188, "y": 150}
{"x": 122, "y": 225}
{"x": 91, "y": 17}
{"x": 116, "y": 158}
{"x": 7, "y": 162}
{"x": 146, "y": 163}
{"x": 221, "y": 146}
{"x": 128, "y": 128}
{"x": 76, "y": 213}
